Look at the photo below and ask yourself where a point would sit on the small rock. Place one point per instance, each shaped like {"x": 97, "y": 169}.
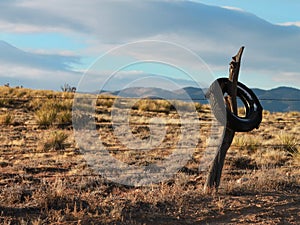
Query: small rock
{"x": 242, "y": 180}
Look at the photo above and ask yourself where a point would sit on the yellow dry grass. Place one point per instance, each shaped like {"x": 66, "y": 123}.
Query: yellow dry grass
{"x": 46, "y": 179}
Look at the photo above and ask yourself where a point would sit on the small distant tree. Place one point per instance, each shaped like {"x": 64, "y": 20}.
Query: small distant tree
{"x": 68, "y": 88}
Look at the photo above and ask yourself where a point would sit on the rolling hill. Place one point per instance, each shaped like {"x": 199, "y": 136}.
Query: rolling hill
{"x": 281, "y": 99}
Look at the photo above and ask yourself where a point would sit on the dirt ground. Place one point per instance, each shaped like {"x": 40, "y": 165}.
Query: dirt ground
{"x": 56, "y": 185}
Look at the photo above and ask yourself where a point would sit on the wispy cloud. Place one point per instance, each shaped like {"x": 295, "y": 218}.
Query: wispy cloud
{"x": 214, "y": 33}
{"x": 35, "y": 69}
{"x": 233, "y": 8}
{"x": 35, "y": 17}
{"x": 32, "y": 77}
{"x": 297, "y": 23}
{"x": 12, "y": 55}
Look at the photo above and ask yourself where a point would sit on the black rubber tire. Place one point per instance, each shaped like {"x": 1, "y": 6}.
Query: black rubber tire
{"x": 253, "y": 115}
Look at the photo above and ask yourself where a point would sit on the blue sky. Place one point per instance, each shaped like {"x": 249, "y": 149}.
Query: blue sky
{"x": 45, "y": 44}
{"x": 274, "y": 11}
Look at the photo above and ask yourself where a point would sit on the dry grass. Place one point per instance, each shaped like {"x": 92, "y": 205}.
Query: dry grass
{"x": 54, "y": 111}
{"x": 56, "y": 140}
{"x": 154, "y": 105}
{"x": 45, "y": 179}
{"x": 272, "y": 158}
{"x": 6, "y": 119}
{"x": 106, "y": 101}
{"x": 246, "y": 142}
{"x": 289, "y": 143}
{"x": 265, "y": 180}
{"x": 46, "y": 116}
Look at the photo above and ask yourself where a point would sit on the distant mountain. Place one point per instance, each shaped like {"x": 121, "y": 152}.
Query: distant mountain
{"x": 144, "y": 92}
{"x": 281, "y": 99}
{"x": 184, "y": 94}
{"x": 196, "y": 94}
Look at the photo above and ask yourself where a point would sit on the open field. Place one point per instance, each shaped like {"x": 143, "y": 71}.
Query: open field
{"x": 45, "y": 178}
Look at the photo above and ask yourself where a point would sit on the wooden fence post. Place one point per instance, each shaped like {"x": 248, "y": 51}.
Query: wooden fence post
{"x": 215, "y": 172}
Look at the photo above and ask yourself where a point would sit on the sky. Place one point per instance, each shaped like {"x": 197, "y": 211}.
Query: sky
{"x": 274, "y": 11}
{"x": 116, "y": 44}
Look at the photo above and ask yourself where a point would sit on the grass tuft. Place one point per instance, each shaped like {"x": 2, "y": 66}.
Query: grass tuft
{"x": 289, "y": 143}
{"x": 54, "y": 111}
{"x": 248, "y": 143}
{"x": 6, "y": 119}
{"x": 56, "y": 141}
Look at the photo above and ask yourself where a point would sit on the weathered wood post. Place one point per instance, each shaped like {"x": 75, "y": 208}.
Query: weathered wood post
{"x": 215, "y": 172}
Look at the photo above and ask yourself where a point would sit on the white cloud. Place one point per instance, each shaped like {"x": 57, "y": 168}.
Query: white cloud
{"x": 11, "y": 27}
{"x": 233, "y": 8}
{"x": 288, "y": 78}
{"x": 297, "y": 23}
{"x": 31, "y": 77}
{"x": 214, "y": 33}
{"x": 35, "y": 69}
{"x": 12, "y": 55}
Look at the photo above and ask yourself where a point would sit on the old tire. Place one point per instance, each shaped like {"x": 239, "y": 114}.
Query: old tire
{"x": 253, "y": 116}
